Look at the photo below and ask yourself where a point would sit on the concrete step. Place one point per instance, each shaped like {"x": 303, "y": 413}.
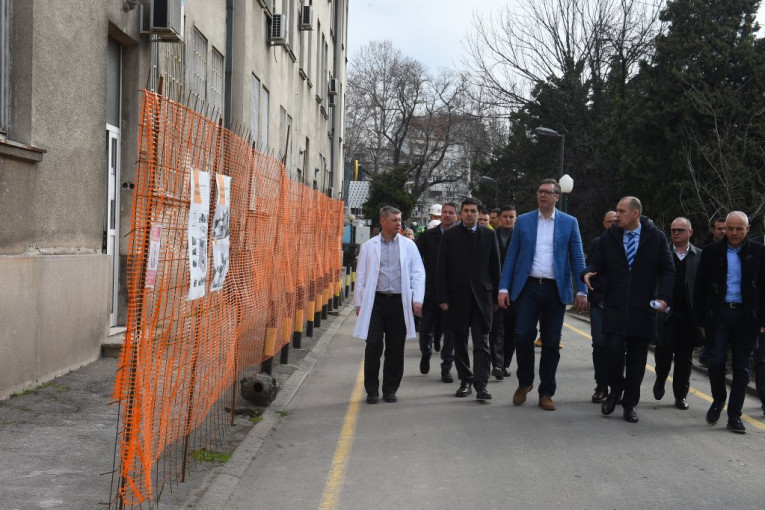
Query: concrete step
{"x": 112, "y": 346}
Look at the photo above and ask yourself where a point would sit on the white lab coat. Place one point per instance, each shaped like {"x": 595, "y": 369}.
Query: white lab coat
{"x": 367, "y": 270}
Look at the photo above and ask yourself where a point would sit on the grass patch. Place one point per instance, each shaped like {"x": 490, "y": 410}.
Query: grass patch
{"x": 30, "y": 391}
{"x": 256, "y": 419}
{"x": 7, "y": 423}
{"x": 49, "y": 384}
{"x": 204, "y": 455}
{"x": 282, "y": 413}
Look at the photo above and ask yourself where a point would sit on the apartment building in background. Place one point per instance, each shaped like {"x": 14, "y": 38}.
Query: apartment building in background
{"x": 71, "y": 76}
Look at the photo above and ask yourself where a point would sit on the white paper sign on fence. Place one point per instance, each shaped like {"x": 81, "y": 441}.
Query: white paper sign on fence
{"x": 199, "y": 213}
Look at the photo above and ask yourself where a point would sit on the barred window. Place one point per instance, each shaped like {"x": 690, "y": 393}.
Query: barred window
{"x": 5, "y": 52}
{"x": 264, "y": 100}
{"x": 216, "y": 81}
{"x": 255, "y": 109}
{"x": 171, "y": 69}
{"x": 196, "y": 70}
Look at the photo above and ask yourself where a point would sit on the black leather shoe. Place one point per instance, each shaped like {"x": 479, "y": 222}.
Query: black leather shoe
{"x": 601, "y": 393}
{"x": 446, "y": 376}
{"x": 630, "y": 415}
{"x": 481, "y": 393}
{"x": 682, "y": 404}
{"x": 437, "y": 344}
{"x": 506, "y": 372}
{"x": 372, "y": 398}
{"x": 658, "y": 390}
{"x": 464, "y": 390}
{"x": 608, "y": 405}
{"x": 497, "y": 373}
{"x": 713, "y": 415}
{"x": 390, "y": 397}
{"x": 425, "y": 364}
{"x": 736, "y": 426}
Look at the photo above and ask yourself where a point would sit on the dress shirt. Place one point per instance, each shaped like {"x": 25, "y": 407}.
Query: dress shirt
{"x": 626, "y": 238}
{"x": 389, "y": 279}
{"x": 682, "y": 255}
{"x": 543, "y": 265}
{"x": 733, "y": 282}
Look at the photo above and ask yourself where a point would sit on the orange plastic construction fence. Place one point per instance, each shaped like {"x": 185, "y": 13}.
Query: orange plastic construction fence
{"x": 228, "y": 257}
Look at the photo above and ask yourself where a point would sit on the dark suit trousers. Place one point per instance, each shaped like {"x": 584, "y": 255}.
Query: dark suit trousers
{"x": 481, "y": 353}
{"x": 502, "y": 338}
{"x": 387, "y": 329}
{"x": 627, "y": 356}
{"x": 679, "y": 335}
{"x": 430, "y": 329}
{"x": 730, "y": 330}
{"x": 758, "y": 365}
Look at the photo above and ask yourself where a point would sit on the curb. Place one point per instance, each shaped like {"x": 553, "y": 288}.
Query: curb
{"x": 220, "y": 484}
{"x": 698, "y": 367}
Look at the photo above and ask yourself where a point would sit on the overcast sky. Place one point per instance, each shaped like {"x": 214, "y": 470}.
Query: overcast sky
{"x": 431, "y": 31}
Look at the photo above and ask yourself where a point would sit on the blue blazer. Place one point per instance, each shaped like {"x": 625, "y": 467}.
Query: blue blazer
{"x": 567, "y": 254}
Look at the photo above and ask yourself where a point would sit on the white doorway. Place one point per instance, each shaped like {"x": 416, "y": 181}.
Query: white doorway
{"x": 113, "y": 148}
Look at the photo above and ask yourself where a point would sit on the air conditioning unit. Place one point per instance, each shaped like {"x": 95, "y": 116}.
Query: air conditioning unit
{"x": 332, "y": 102}
{"x": 306, "y": 17}
{"x": 278, "y": 35}
{"x": 163, "y": 18}
{"x": 333, "y": 86}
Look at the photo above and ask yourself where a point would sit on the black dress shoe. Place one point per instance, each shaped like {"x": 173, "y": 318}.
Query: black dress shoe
{"x": 713, "y": 415}
{"x": 372, "y": 398}
{"x": 425, "y": 364}
{"x": 682, "y": 404}
{"x": 437, "y": 344}
{"x": 446, "y": 376}
{"x": 481, "y": 393}
{"x": 390, "y": 397}
{"x": 506, "y": 372}
{"x": 464, "y": 389}
{"x": 601, "y": 392}
{"x": 630, "y": 415}
{"x": 608, "y": 405}
{"x": 658, "y": 390}
{"x": 736, "y": 426}
{"x": 497, "y": 373}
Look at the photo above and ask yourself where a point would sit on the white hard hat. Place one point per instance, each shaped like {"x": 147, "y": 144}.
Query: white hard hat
{"x": 435, "y": 210}
{"x": 434, "y": 223}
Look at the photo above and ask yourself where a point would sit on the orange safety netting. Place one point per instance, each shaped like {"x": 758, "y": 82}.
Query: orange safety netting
{"x": 182, "y": 359}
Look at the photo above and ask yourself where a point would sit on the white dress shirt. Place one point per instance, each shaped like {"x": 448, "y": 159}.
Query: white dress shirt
{"x": 543, "y": 265}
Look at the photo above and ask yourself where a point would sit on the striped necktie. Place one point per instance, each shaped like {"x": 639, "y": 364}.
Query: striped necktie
{"x": 631, "y": 248}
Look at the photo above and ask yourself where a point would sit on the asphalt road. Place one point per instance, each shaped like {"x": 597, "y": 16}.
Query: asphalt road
{"x": 432, "y": 450}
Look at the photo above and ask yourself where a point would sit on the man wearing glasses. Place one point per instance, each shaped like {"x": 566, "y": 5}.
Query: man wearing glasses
{"x": 536, "y": 277}
{"x": 678, "y": 336}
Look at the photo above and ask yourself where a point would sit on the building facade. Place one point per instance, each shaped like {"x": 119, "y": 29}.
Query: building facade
{"x": 71, "y": 75}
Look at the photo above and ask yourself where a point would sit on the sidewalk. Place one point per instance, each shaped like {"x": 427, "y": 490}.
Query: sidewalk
{"x": 59, "y": 438}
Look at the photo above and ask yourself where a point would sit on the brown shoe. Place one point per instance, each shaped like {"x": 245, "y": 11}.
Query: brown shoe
{"x": 546, "y": 403}
{"x": 520, "y": 394}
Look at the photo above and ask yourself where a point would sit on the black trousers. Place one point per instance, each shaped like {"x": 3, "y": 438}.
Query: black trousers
{"x": 678, "y": 340}
{"x": 481, "y": 351}
{"x": 387, "y": 331}
{"x": 627, "y": 356}
{"x": 502, "y": 338}
{"x": 758, "y": 365}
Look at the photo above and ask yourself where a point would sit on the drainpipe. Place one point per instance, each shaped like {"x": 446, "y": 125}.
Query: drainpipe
{"x": 229, "y": 63}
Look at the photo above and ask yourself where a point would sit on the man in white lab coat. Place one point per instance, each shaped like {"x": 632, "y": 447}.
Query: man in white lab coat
{"x": 390, "y": 287}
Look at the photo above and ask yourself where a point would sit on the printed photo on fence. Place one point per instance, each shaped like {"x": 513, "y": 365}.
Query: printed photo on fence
{"x": 221, "y": 232}
{"x": 198, "y": 219}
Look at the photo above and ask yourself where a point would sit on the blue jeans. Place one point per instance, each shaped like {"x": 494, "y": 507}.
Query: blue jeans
{"x": 730, "y": 330}
{"x": 538, "y": 302}
{"x": 599, "y": 346}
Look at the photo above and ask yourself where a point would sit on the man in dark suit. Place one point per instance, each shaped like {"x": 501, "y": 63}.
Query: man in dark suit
{"x": 502, "y": 335}
{"x": 430, "y": 326}
{"x": 677, "y": 332}
{"x": 758, "y": 356}
{"x": 466, "y": 290}
{"x": 599, "y": 343}
{"x": 729, "y": 307}
{"x": 634, "y": 258}
{"x": 537, "y": 279}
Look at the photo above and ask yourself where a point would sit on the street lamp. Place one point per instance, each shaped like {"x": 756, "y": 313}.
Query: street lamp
{"x": 486, "y": 178}
{"x": 551, "y": 132}
{"x": 566, "y": 187}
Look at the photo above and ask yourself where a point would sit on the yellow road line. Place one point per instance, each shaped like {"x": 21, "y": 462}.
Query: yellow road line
{"x": 701, "y": 395}
{"x": 332, "y": 486}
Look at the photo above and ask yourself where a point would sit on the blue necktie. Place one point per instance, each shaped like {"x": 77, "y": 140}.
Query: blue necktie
{"x": 631, "y": 248}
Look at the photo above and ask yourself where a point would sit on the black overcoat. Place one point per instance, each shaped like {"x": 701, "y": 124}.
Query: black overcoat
{"x": 428, "y": 243}
{"x": 627, "y": 293}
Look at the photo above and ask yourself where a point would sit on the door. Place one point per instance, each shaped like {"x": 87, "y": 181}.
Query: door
{"x": 113, "y": 121}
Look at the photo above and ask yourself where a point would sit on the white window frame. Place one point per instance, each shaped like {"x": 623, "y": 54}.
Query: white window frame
{"x": 265, "y": 97}
{"x": 255, "y": 109}
{"x": 196, "y": 69}
{"x": 218, "y": 63}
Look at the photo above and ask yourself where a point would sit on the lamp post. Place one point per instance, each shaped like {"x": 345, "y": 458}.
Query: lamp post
{"x": 566, "y": 187}
{"x": 486, "y": 178}
{"x": 543, "y": 131}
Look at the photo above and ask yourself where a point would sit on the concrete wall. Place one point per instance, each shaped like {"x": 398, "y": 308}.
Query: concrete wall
{"x": 54, "y": 316}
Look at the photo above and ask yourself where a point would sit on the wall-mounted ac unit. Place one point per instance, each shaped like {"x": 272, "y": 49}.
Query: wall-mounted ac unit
{"x": 306, "y": 17}
{"x": 333, "y": 86}
{"x": 163, "y": 18}
{"x": 332, "y": 101}
{"x": 278, "y": 33}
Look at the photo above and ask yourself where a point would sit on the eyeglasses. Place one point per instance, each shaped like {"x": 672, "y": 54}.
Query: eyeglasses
{"x": 545, "y": 192}
{"x": 678, "y": 230}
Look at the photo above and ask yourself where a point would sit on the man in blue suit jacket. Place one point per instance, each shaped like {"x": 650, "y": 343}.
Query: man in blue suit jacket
{"x": 546, "y": 246}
